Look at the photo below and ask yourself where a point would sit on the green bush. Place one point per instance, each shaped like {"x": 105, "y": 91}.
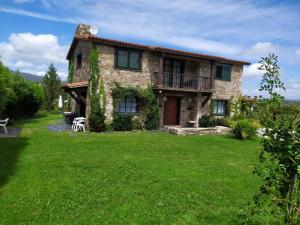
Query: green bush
{"x": 5, "y": 85}
{"x": 97, "y": 116}
{"x": 148, "y": 111}
{"x": 244, "y": 129}
{"x": 210, "y": 121}
{"x": 96, "y": 122}
{"x": 205, "y": 121}
{"x": 25, "y": 99}
{"x": 137, "y": 123}
{"x": 18, "y": 97}
{"x": 122, "y": 122}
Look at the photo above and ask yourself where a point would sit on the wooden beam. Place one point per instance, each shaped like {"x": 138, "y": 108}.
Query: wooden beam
{"x": 161, "y": 71}
{"x": 78, "y": 98}
{"x": 186, "y": 58}
{"x": 204, "y": 99}
{"x": 212, "y": 75}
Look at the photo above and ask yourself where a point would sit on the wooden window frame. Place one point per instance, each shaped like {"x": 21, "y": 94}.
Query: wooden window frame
{"x": 215, "y": 103}
{"x": 79, "y": 65}
{"x": 223, "y": 65}
{"x": 126, "y": 101}
{"x": 129, "y": 51}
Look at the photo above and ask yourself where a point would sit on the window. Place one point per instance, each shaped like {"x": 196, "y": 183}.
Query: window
{"x": 219, "y": 107}
{"x": 79, "y": 61}
{"x": 127, "y": 105}
{"x": 223, "y": 72}
{"x": 128, "y": 59}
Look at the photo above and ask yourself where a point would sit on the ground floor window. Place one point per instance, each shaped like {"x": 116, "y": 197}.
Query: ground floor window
{"x": 127, "y": 105}
{"x": 219, "y": 107}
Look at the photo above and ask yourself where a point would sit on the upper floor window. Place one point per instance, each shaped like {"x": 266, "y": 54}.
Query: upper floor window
{"x": 79, "y": 61}
{"x": 219, "y": 107}
{"x": 127, "y": 105}
{"x": 128, "y": 59}
{"x": 223, "y": 72}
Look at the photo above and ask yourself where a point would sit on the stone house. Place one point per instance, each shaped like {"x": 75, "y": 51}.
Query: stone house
{"x": 185, "y": 83}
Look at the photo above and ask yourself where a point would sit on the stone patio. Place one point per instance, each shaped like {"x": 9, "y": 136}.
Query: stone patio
{"x": 198, "y": 131}
{"x": 11, "y": 132}
{"x": 60, "y": 126}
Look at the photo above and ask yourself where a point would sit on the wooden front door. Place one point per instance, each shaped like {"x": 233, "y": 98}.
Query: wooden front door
{"x": 171, "y": 111}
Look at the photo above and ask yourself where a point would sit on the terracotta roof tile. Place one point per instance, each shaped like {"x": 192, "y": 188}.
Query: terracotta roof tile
{"x": 75, "y": 85}
{"x": 154, "y": 48}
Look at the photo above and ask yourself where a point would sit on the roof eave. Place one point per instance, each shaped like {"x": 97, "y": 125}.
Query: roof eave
{"x": 152, "y": 48}
{"x": 72, "y": 47}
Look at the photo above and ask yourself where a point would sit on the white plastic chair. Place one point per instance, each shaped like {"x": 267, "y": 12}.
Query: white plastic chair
{"x": 78, "y": 124}
{"x": 3, "y": 124}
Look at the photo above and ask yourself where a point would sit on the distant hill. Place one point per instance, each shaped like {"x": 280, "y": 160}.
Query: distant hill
{"x": 292, "y": 101}
{"x": 30, "y": 77}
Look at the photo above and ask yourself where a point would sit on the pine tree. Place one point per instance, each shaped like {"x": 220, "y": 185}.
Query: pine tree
{"x": 51, "y": 84}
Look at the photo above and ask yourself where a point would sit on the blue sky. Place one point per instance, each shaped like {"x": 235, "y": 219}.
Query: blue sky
{"x": 38, "y": 32}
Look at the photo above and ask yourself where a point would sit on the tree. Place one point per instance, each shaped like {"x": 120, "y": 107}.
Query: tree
{"x": 5, "y": 86}
{"x": 51, "y": 83}
{"x": 96, "y": 94}
{"x": 278, "y": 199}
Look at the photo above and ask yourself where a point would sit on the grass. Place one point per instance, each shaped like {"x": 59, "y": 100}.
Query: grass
{"x": 122, "y": 178}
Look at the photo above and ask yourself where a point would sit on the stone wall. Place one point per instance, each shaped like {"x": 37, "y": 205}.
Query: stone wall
{"x": 191, "y": 103}
{"x": 81, "y": 74}
{"x": 83, "y": 48}
{"x": 227, "y": 90}
{"x": 110, "y": 74}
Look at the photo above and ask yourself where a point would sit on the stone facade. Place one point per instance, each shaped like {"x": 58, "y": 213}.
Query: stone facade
{"x": 81, "y": 73}
{"x": 199, "y": 131}
{"x": 142, "y": 78}
{"x": 229, "y": 89}
{"x": 83, "y": 48}
{"x": 191, "y": 103}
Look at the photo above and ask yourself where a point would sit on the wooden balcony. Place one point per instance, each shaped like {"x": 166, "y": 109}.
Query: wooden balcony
{"x": 183, "y": 82}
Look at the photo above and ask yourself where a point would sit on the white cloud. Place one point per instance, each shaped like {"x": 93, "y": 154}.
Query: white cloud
{"x": 33, "y": 53}
{"x": 261, "y": 49}
{"x": 213, "y": 26}
{"x": 22, "y": 12}
{"x": 252, "y": 71}
{"x": 292, "y": 89}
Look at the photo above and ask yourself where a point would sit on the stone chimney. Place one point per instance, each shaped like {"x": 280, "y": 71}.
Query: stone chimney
{"x": 83, "y": 31}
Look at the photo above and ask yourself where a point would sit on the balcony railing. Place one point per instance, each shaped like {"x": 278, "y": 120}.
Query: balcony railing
{"x": 185, "y": 81}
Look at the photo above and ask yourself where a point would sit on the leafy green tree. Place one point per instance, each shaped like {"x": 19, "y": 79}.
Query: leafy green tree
{"x": 96, "y": 94}
{"x": 70, "y": 80}
{"x": 5, "y": 86}
{"x": 25, "y": 99}
{"x": 278, "y": 199}
{"x": 51, "y": 83}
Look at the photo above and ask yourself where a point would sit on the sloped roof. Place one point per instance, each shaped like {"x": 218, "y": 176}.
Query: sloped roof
{"x": 152, "y": 48}
{"x": 75, "y": 85}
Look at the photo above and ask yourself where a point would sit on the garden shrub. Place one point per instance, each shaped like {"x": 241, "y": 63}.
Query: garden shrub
{"x": 96, "y": 94}
{"x": 5, "y": 83}
{"x": 219, "y": 122}
{"x": 148, "y": 110}
{"x": 205, "y": 121}
{"x": 122, "y": 122}
{"x": 137, "y": 123}
{"x": 97, "y": 116}
{"x": 244, "y": 129}
{"x": 210, "y": 121}
{"x": 25, "y": 100}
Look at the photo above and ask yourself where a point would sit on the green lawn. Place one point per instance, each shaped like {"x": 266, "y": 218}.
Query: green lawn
{"x": 122, "y": 178}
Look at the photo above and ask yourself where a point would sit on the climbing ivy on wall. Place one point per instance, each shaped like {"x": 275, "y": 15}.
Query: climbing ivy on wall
{"x": 148, "y": 110}
{"x": 70, "y": 80}
{"x": 96, "y": 94}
